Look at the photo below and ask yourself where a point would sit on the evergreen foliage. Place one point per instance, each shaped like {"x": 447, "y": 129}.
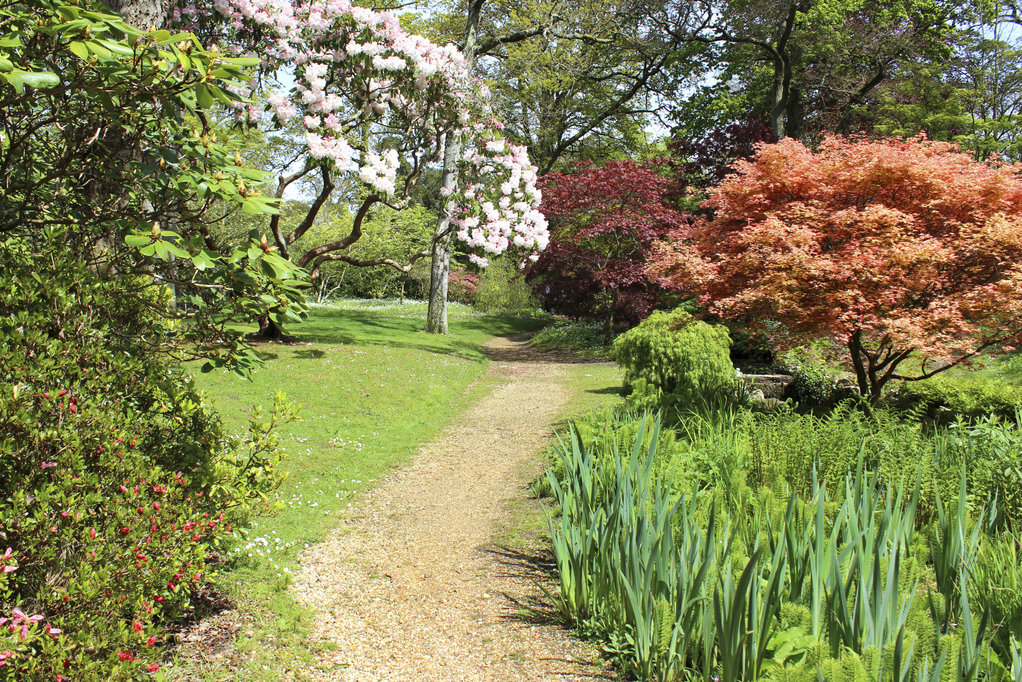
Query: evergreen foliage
{"x": 675, "y": 362}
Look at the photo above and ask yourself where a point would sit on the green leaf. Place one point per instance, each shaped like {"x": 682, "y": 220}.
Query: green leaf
{"x": 203, "y": 259}
{"x": 204, "y": 96}
{"x": 36, "y": 79}
{"x": 184, "y": 60}
{"x": 11, "y": 42}
{"x": 177, "y": 250}
{"x": 116, "y": 47}
{"x": 79, "y": 50}
{"x": 137, "y": 240}
{"x": 98, "y": 49}
{"x": 6, "y": 64}
{"x": 243, "y": 61}
{"x": 260, "y": 206}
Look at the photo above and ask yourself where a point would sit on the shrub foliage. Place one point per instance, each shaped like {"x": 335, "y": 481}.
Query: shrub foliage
{"x": 675, "y": 362}
{"x": 116, "y": 478}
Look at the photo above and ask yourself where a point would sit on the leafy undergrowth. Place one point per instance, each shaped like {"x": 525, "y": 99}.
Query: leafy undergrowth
{"x": 584, "y": 337}
{"x": 701, "y": 552}
{"x": 373, "y": 387}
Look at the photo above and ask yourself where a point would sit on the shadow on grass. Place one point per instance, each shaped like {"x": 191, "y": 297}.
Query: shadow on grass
{"x": 610, "y": 390}
{"x": 310, "y": 354}
{"x": 368, "y": 328}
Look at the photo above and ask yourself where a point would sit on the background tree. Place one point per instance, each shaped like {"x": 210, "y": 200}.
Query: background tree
{"x": 701, "y": 162}
{"x": 895, "y": 250}
{"x": 564, "y": 76}
{"x": 394, "y": 243}
{"x": 803, "y": 66}
{"x": 605, "y": 223}
{"x": 973, "y": 98}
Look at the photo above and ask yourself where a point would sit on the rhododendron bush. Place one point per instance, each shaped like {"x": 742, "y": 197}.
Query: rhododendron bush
{"x": 376, "y": 103}
{"x": 116, "y": 479}
{"x": 896, "y": 250}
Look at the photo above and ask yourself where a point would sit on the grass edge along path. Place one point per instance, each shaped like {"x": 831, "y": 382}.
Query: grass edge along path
{"x": 373, "y": 387}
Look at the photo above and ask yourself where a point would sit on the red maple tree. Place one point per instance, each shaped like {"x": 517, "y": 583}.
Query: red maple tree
{"x": 893, "y": 249}
{"x": 604, "y": 221}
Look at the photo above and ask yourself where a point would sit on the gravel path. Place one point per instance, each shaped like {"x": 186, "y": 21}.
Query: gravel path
{"x": 411, "y": 588}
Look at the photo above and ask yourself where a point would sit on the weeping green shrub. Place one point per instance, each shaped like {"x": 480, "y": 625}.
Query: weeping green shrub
{"x": 676, "y": 363}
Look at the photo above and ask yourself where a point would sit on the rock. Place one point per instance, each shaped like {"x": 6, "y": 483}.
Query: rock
{"x": 771, "y": 385}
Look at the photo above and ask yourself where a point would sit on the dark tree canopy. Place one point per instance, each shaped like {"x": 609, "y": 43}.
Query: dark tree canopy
{"x": 605, "y": 221}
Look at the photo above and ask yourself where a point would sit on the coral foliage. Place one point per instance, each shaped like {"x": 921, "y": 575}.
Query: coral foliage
{"x": 891, "y": 248}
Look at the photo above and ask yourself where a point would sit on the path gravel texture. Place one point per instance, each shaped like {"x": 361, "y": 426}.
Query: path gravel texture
{"x": 411, "y": 587}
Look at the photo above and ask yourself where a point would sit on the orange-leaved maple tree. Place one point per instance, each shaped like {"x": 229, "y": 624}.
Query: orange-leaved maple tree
{"x": 894, "y": 249}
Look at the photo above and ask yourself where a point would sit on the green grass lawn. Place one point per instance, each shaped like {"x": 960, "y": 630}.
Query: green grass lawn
{"x": 373, "y": 386}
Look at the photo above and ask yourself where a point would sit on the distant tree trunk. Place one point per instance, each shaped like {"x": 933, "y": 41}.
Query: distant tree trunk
{"x": 781, "y": 95}
{"x": 268, "y": 330}
{"x": 436, "y": 318}
{"x": 608, "y": 327}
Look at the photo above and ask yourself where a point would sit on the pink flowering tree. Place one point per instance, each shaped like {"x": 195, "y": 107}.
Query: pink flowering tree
{"x": 374, "y": 105}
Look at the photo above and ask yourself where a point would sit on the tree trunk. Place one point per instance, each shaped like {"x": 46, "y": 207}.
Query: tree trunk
{"x": 781, "y": 58}
{"x": 608, "y": 327}
{"x": 436, "y": 318}
{"x": 268, "y": 331}
{"x": 144, "y": 15}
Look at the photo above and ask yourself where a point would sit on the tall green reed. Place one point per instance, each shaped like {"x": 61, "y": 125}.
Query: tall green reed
{"x": 650, "y": 571}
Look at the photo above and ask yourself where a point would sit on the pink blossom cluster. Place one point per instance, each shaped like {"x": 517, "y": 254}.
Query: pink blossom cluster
{"x": 357, "y": 70}
{"x": 19, "y": 623}
{"x": 494, "y": 216}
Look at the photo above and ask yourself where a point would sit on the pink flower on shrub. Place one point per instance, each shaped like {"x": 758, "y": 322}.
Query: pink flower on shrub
{"x": 18, "y": 617}
{"x": 152, "y": 667}
{"x": 125, "y": 656}
{"x": 137, "y": 627}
